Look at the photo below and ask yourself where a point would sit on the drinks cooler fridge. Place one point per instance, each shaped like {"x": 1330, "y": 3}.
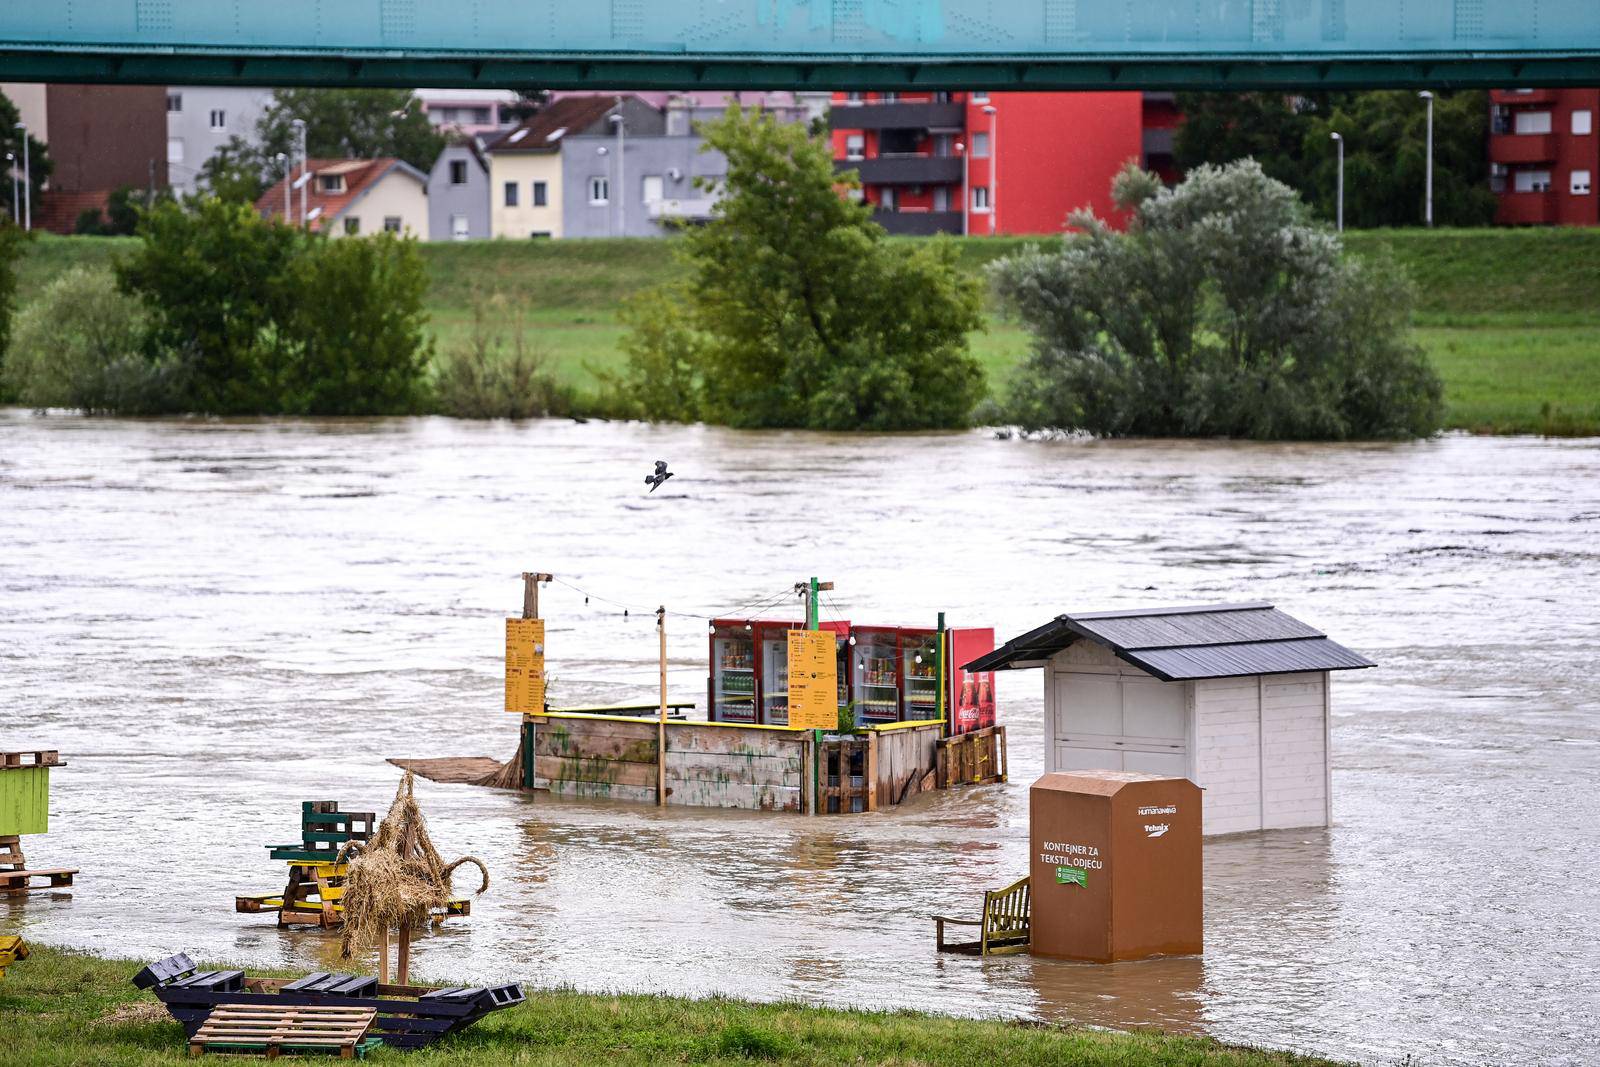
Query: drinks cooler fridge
{"x": 886, "y": 673}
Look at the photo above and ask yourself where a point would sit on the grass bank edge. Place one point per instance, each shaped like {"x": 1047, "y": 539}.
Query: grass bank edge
{"x": 65, "y": 1006}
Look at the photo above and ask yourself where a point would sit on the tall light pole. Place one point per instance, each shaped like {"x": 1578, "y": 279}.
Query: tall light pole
{"x": 622, "y": 179}
{"x": 16, "y": 198}
{"x": 1427, "y": 213}
{"x": 1338, "y": 139}
{"x": 603, "y": 151}
{"x": 288, "y": 180}
{"x": 994, "y": 164}
{"x": 305, "y": 164}
{"x": 966, "y": 187}
{"x": 27, "y": 181}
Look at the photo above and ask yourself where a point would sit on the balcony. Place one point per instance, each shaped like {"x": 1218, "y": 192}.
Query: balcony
{"x": 1522, "y": 147}
{"x": 904, "y": 170}
{"x": 1525, "y": 209}
{"x": 696, "y": 209}
{"x": 1157, "y": 142}
{"x": 1522, "y": 97}
{"x": 897, "y": 116}
{"x": 918, "y": 223}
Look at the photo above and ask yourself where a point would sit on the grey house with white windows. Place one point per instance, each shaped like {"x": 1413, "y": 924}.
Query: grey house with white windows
{"x": 201, "y": 119}
{"x": 652, "y": 188}
{"x": 458, "y": 194}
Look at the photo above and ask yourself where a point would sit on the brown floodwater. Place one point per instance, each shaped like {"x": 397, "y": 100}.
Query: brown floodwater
{"x": 216, "y": 620}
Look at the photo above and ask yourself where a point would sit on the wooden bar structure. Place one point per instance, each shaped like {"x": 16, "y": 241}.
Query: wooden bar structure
{"x": 24, "y": 809}
{"x": 722, "y": 765}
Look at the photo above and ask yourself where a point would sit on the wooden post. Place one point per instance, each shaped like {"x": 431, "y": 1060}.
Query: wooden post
{"x": 530, "y": 593}
{"x": 403, "y": 963}
{"x": 661, "y": 723}
{"x": 383, "y": 956}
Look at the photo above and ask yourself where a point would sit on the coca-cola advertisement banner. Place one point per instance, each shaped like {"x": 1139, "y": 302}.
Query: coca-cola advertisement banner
{"x": 971, "y": 692}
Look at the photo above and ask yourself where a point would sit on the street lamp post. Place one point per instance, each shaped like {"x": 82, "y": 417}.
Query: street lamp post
{"x": 27, "y": 181}
{"x": 305, "y": 164}
{"x": 288, "y": 175}
{"x": 994, "y": 165}
{"x": 16, "y": 201}
{"x": 622, "y": 179}
{"x": 1427, "y": 213}
{"x": 1338, "y": 139}
{"x": 966, "y": 186}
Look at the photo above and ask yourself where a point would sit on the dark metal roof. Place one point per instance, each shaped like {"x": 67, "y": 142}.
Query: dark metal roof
{"x": 1176, "y": 644}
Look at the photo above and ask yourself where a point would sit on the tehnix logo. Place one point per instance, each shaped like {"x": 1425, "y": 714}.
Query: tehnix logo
{"x": 1155, "y": 829}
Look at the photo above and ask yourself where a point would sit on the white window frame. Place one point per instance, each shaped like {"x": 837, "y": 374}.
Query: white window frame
{"x": 660, "y": 187}
{"x": 980, "y": 96}
{"x": 980, "y": 199}
{"x": 219, "y": 120}
{"x": 460, "y": 228}
{"x": 393, "y": 224}
{"x": 352, "y": 225}
{"x": 1531, "y": 123}
{"x": 538, "y": 194}
{"x": 458, "y": 166}
{"x": 175, "y": 103}
{"x": 888, "y": 200}
{"x": 855, "y": 146}
{"x": 980, "y": 144}
{"x": 510, "y": 195}
{"x": 1582, "y": 122}
{"x": 1580, "y": 182}
{"x": 1530, "y": 181}
{"x": 174, "y": 149}
{"x": 332, "y": 184}
{"x": 599, "y": 191}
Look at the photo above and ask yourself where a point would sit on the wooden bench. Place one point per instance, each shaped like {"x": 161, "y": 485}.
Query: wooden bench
{"x": 1005, "y": 927}
{"x": 12, "y": 949}
{"x": 273, "y": 1030}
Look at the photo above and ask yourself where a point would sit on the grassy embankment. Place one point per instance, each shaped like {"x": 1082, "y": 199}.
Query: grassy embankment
{"x": 1511, "y": 318}
{"x": 64, "y": 1008}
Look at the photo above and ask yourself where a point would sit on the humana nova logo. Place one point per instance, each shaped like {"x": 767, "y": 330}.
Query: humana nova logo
{"x": 1155, "y": 829}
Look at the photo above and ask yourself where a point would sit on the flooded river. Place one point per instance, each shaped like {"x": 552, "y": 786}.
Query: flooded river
{"x": 215, "y": 621}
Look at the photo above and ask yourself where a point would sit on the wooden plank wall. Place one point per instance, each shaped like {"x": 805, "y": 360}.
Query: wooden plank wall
{"x": 712, "y": 766}
{"x": 24, "y": 801}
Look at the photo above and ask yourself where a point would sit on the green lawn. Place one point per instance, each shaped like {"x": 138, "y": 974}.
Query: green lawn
{"x": 1511, "y": 318}
{"x": 63, "y": 1008}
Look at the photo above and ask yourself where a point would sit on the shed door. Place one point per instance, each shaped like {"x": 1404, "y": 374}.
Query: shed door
{"x": 1110, "y": 722}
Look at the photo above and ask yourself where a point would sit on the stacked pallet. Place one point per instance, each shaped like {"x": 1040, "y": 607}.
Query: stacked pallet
{"x": 974, "y": 758}
{"x": 24, "y": 809}
{"x": 273, "y": 1030}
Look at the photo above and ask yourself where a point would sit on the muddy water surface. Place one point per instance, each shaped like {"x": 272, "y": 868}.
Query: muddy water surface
{"x": 215, "y": 621}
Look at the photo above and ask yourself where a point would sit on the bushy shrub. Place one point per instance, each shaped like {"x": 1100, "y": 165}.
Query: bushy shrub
{"x": 1221, "y": 311}
{"x": 80, "y": 344}
{"x": 493, "y": 374}
{"x": 12, "y": 242}
{"x": 793, "y": 309}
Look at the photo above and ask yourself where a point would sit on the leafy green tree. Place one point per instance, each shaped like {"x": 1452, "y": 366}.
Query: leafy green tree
{"x": 217, "y": 281}
{"x": 1385, "y": 139}
{"x": 13, "y": 239}
{"x": 794, "y": 311}
{"x": 1221, "y": 311}
{"x": 39, "y": 164}
{"x": 238, "y": 173}
{"x": 357, "y": 323}
{"x": 120, "y": 217}
{"x": 349, "y": 123}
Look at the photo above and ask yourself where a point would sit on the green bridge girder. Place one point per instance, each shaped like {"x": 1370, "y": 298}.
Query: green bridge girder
{"x": 807, "y": 44}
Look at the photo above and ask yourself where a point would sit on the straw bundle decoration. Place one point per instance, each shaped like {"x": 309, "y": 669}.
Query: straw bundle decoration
{"x": 396, "y": 878}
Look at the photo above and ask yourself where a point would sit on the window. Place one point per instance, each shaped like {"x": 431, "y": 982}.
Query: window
{"x": 219, "y": 119}
{"x": 599, "y": 191}
{"x": 980, "y": 97}
{"x": 1531, "y": 181}
{"x": 980, "y": 198}
{"x": 941, "y": 98}
{"x": 539, "y": 233}
{"x": 886, "y": 198}
{"x": 480, "y": 116}
{"x": 458, "y": 172}
{"x": 654, "y": 188}
{"x": 511, "y": 194}
{"x": 855, "y": 146}
{"x": 540, "y": 198}
{"x": 174, "y": 149}
{"x": 391, "y": 224}
{"x": 352, "y": 225}
{"x": 1580, "y": 183}
{"x": 459, "y": 229}
{"x": 175, "y": 103}
{"x": 980, "y": 146}
{"x": 1532, "y": 122}
{"x": 888, "y": 98}
{"x": 853, "y": 98}
{"x": 941, "y": 198}
{"x": 1582, "y": 123}
{"x": 330, "y": 183}
{"x": 941, "y": 144}
{"x": 1497, "y": 177}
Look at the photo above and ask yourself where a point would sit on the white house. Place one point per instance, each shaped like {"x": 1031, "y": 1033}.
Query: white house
{"x": 1234, "y": 697}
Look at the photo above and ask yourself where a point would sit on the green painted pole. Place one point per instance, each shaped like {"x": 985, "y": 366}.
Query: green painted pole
{"x": 946, "y": 727}
{"x": 812, "y": 622}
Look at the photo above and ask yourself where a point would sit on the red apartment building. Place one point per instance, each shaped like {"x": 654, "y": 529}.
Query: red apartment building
{"x": 1013, "y": 163}
{"x": 1543, "y": 156}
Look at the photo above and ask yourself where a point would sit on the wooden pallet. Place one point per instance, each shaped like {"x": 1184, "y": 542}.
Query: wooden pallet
{"x": 38, "y": 757}
{"x": 272, "y": 1030}
{"x": 12, "y": 949}
{"x": 15, "y": 878}
{"x": 846, "y": 776}
{"x": 974, "y": 758}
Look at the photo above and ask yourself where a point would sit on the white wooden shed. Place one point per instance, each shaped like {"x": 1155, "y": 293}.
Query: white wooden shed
{"x": 1233, "y": 697}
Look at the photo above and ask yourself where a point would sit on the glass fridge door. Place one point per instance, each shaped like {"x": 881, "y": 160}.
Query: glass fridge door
{"x": 920, "y": 656}
{"x": 734, "y": 677}
{"x": 877, "y": 677}
{"x": 775, "y": 677}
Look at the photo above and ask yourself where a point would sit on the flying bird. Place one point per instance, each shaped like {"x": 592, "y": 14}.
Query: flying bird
{"x": 654, "y": 481}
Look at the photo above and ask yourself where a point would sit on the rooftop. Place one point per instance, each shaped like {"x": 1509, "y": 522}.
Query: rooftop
{"x": 543, "y": 131}
{"x": 1182, "y": 643}
{"x": 358, "y": 176}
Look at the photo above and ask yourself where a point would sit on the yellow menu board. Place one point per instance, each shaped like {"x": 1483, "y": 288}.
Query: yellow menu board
{"x": 525, "y": 665}
{"x": 813, "y": 680}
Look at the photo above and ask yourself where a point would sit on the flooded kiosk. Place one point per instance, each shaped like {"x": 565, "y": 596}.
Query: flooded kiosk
{"x": 1115, "y": 866}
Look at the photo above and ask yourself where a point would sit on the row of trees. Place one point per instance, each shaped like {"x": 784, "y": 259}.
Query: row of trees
{"x": 1385, "y": 138}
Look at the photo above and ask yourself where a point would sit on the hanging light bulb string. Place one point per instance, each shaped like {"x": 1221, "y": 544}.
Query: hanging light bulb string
{"x": 749, "y": 607}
